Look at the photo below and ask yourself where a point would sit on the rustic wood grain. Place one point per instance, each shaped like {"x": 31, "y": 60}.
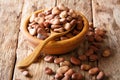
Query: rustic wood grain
{"x": 107, "y": 15}
{"x": 14, "y": 47}
{"x": 37, "y": 69}
{"x": 10, "y": 15}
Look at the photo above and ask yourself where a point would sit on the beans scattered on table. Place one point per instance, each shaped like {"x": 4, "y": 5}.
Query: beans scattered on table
{"x": 59, "y": 19}
{"x": 66, "y": 71}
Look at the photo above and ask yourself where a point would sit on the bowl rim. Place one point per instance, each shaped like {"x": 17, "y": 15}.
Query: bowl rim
{"x": 36, "y": 40}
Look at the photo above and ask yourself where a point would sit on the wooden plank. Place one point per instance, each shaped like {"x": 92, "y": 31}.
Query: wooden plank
{"x": 37, "y": 70}
{"x": 10, "y": 15}
{"x": 106, "y": 14}
{"x": 84, "y": 6}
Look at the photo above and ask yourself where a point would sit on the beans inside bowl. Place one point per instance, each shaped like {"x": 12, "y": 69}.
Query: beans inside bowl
{"x": 59, "y": 19}
{"x": 37, "y": 26}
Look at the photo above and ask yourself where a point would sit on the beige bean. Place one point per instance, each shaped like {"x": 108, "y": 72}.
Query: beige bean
{"x": 32, "y": 31}
{"x": 39, "y": 19}
{"x": 67, "y": 26}
{"x": 71, "y": 11}
{"x": 55, "y": 10}
{"x": 62, "y": 69}
{"x": 61, "y": 29}
{"x": 62, "y": 20}
{"x": 49, "y": 17}
{"x": 93, "y": 71}
{"x": 55, "y": 21}
{"x": 25, "y": 73}
{"x": 63, "y": 14}
{"x": 69, "y": 72}
{"x": 58, "y": 60}
{"x": 55, "y": 26}
{"x": 41, "y": 15}
{"x": 41, "y": 36}
{"x": 49, "y": 58}
{"x": 65, "y": 63}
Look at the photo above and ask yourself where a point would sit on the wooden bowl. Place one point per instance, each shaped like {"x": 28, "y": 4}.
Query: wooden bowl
{"x": 56, "y": 47}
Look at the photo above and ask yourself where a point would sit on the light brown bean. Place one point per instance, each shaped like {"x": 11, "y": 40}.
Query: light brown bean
{"x": 61, "y": 29}
{"x": 62, "y": 69}
{"x": 48, "y": 71}
{"x": 55, "y": 21}
{"x": 63, "y": 14}
{"x": 69, "y": 72}
{"x": 59, "y": 76}
{"x": 55, "y": 10}
{"x": 55, "y": 26}
{"x": 39, "y": 20}
{"x": 77, "y": 76}
{"x": 75, "y": 61}
{"x": 49, "y": 58}
{"x": 65, "y": 63}
{"x": 67, "y": 26}
{"x": 93, "y": 71}
{"x": 58, "y": 60}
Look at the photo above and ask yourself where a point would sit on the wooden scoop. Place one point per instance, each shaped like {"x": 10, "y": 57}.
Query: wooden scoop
{"x": 32, "y": 57}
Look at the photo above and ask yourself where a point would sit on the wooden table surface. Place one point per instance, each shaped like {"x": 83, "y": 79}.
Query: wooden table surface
{"x": 13, "y": 46}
